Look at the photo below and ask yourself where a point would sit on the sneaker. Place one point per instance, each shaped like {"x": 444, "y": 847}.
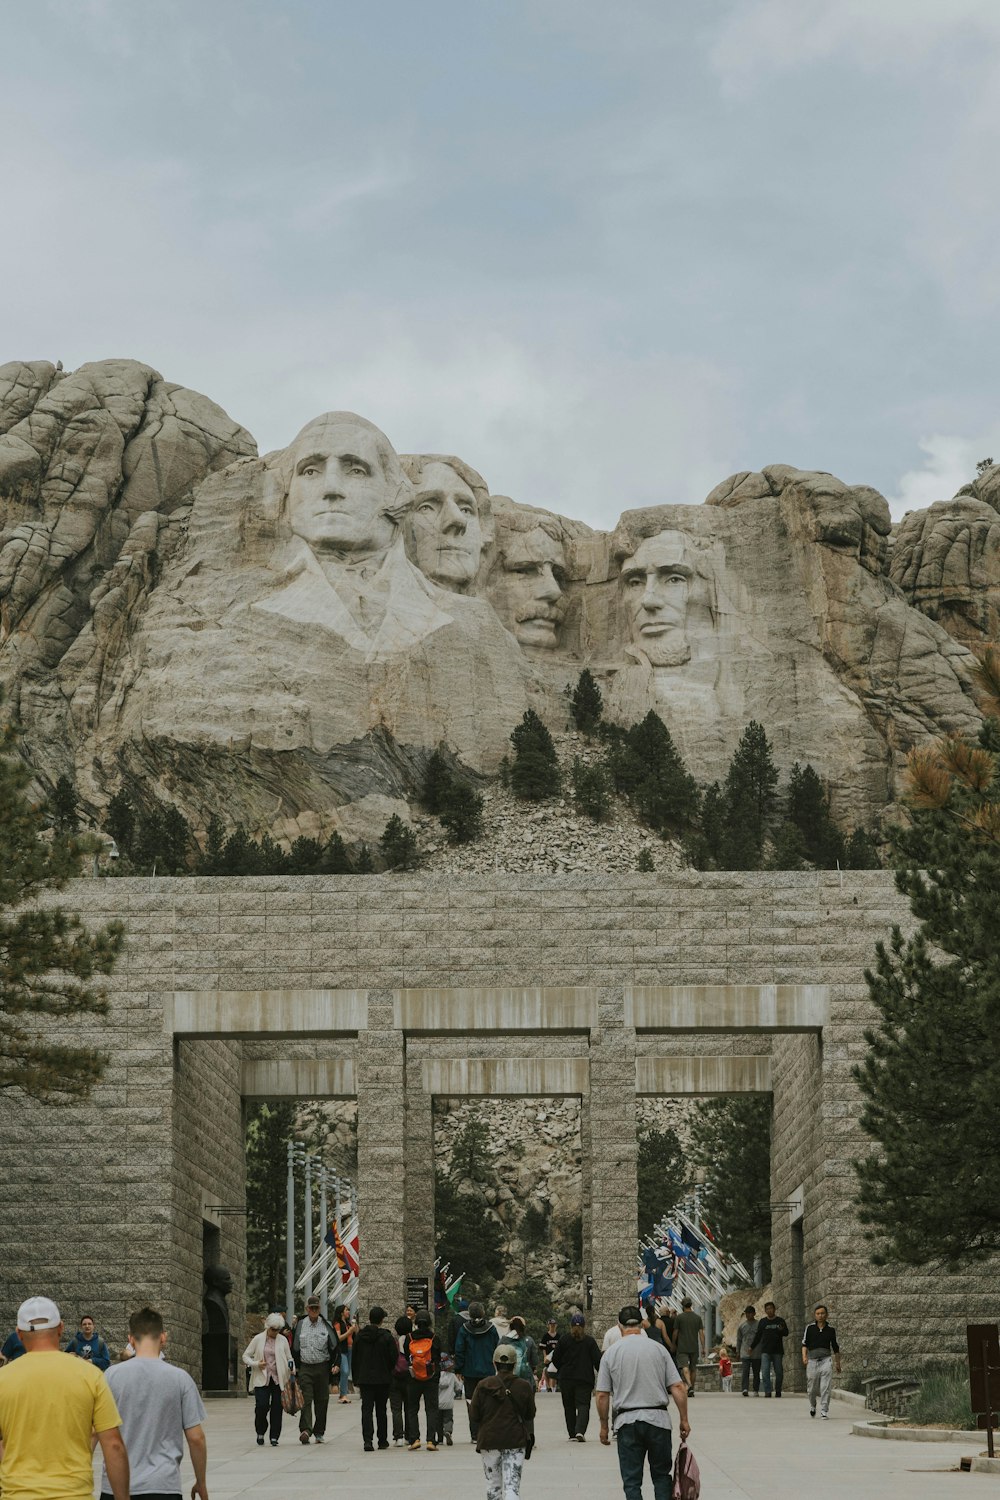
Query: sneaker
{"x": 382, "y": 1445}
{"x": 746, "y": 1393}
{"x": 303, "y": 1437}
{"x": 825, "y": 1415}
{"x": 369, "y": 1448}
{"x": 414, "y": 1446}
{"x": 320, "y": 1439}
{"x": 274, "y": 1442}
{"x": 260, "y": 1442}
{"x": 767, "y": 1395}
{"x": 777, "y": 1395}
{"x": 447, "y": 1438}
{"x": 579, "y": 1438}
{"x": 691, "y": 1390}
{"x": 431, "y": 1447}
{"x": 812, "y": 1411}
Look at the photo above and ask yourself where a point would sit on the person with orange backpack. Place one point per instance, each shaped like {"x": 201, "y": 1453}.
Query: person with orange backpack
{"x": 422, "y": 1349}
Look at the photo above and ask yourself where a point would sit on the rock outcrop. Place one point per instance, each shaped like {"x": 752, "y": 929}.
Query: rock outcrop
{"x": 285, "y": 639}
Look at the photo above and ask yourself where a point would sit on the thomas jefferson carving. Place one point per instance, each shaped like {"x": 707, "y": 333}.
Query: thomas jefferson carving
{"x": 448, "y": 524}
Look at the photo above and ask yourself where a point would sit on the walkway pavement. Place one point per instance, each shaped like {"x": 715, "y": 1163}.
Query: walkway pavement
{"x": 747, "y": 1450}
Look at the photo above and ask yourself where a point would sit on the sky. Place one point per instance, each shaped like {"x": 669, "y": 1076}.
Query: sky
{"x": 608, "y": 254}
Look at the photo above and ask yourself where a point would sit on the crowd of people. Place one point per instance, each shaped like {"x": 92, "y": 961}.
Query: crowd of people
{"x": 143, "y": 1410}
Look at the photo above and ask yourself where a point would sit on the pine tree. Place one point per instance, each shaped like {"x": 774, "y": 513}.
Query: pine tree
{"x": 48, "y": 957}
{"x": 809, "y": 811}
{"x": 147, "y": 842}
{"x": 648, "y": 769}
{"x": 272, "y": 859}
{"x": 63, "y": 806}
{"x": 210, "y": 862}
{"x": 364, "y": 864}
{"x": 305, "y": 857}
{"x": 661, "y": 1172}
{"x": 437, "y": 783}
{"x": 335, "y": 859}
{"x": 789, "y": 849}
{"x": 398, "y": 844}
{"x": 644, "y": 864}
{"x": 749, "y": 797}
{"x": 269, "y": 1128}
{"x": 119, "y": 822}
{"x": 240, "y": 856}
{"x": 731, "y": 1140}
{"x": 861, "y": 852}
{"x": 931, "y": 1078}
{"x": 591, "y": 789}
{"x": 587, "y": 703}
{"x": 535, "y": 772}
{"x": 176, "y": 842}
{"x": 461, "y": 813}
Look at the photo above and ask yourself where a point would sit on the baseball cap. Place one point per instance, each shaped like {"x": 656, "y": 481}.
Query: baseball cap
{"x": 37, "y": 1313}
{"x": 578, "y": 1320}
{"x": 505, "y": 1355}
{"x": 630, "y": 1317}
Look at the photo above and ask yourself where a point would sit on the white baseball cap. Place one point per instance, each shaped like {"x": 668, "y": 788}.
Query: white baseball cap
{"x": 38, "y": 1313}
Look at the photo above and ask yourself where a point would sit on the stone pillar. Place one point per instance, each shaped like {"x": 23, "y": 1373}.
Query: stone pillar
{"x": 419, "y": 1170}
{"x": 380, "y": 1081}
{"x": 613, "y": 1154}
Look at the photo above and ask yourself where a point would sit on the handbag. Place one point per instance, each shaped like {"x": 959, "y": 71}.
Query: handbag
{"x": 292, "y": 1399}
{"x": 687, "y": 1476}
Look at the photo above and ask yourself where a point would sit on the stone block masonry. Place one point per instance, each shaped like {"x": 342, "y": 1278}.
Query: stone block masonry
{"x": 397, "y": 985}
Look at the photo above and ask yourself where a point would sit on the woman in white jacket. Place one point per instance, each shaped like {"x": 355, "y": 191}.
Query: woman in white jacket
{"x": 270, "y": 1360}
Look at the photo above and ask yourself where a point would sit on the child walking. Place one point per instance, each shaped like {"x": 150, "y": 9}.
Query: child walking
{"x": 447, "y": 1390}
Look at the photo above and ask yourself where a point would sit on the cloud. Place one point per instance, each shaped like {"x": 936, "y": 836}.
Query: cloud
{"x": 949, "y": 463}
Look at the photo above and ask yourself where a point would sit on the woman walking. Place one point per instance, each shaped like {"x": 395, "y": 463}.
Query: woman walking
{"x": 344, "y": 1328}
{"x": 269, "y": 1360}
{"x": 503, "y": 1409}
{"x": 576, "y": 1359}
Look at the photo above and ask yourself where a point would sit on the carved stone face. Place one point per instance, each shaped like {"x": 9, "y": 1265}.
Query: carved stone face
{"x": 219, "y": 1279}
{"x": 443, "y": 528}
{"x": 529, "y": 596}
{"x": 338, "y": 494}
{"x": 656, "y": 583}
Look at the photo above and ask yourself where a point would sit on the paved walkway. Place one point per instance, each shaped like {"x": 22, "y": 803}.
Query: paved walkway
{"x": 760, "y": 1450}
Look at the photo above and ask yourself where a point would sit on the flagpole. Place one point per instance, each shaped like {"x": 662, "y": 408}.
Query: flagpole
{"x": 324, "y": 1296}
{"x": 290, "y": 1237}
{"x": 308, "y": 1228}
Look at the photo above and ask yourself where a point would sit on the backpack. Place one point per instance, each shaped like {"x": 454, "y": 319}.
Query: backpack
{"x": 687, "y": 1476}
{"x": 421, "y": 1365}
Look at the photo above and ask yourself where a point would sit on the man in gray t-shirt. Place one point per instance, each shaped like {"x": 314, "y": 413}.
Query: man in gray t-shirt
{"x": 638, "y": 1377}
{"x": 160, "y": 1407}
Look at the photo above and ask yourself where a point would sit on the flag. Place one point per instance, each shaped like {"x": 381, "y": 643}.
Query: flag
{"x": 451, "y": 1292}
{"x": 708, "y": 1232}
{"x": 690, "y": 1238}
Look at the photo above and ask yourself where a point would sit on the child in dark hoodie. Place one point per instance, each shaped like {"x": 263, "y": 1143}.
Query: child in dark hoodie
{"x": 400, "y": 1380}
{"x": 474, "y": 1348}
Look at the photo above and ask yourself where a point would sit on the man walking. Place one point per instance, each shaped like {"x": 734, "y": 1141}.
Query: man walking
{"x": 820, "y": 1355}
{"x": 314, "y": 1350}
{"x": 49, "y": 1407}
{"x": 474, "y": 1348}
{"x": 637, "y": 1378}
{"x": 769, "y": 1344}
{"x": 690, "y": 1342}
{"x": 374, "y": 1361}
{"x": 87, "y": 1344}
{"x": 745, "y": 1335}
{"x": 160, "y": 1409}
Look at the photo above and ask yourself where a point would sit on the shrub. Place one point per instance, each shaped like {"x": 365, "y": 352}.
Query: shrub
{"x": 462, "y": 813}
{"x": 944, "y": 1397}
{"x": 591, "y": 789}
{"x": 587, "y": 705}
{"x": 398, "y": 844}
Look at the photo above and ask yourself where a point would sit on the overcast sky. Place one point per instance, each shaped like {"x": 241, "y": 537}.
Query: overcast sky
{"x": 607, "y": 252}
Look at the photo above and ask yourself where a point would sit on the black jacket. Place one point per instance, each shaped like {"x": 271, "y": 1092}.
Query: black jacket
{"x": 374, "y": 1355}
{"x": 770, "y": 1337}
{"x": 504, "y": 1408}
{"x": 332, "y": 1342}
{"x": 577, "y": 1360}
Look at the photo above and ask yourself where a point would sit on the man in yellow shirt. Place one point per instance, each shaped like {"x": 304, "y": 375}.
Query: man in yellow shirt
{"x": 49, "y": 1407}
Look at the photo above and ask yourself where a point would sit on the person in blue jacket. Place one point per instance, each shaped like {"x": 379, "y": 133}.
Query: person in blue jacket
{"x": 87, "y": 1344}
{"x": 12, "y": 1348}
{"x": 474, "y": 1348}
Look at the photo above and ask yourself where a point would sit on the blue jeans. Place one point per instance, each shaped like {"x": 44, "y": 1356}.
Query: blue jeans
{"x": 345, "y": 1370}
{"x": 769, "y": 1362}
{"x": 638, "y": 1441}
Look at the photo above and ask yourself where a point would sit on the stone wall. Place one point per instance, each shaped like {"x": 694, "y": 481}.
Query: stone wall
{"x": 105, "y": 1201}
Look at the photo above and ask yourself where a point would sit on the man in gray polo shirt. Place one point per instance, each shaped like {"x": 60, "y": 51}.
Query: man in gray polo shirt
{"x": 637, "y": 1378}
{"x": 160, "y": 1409}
